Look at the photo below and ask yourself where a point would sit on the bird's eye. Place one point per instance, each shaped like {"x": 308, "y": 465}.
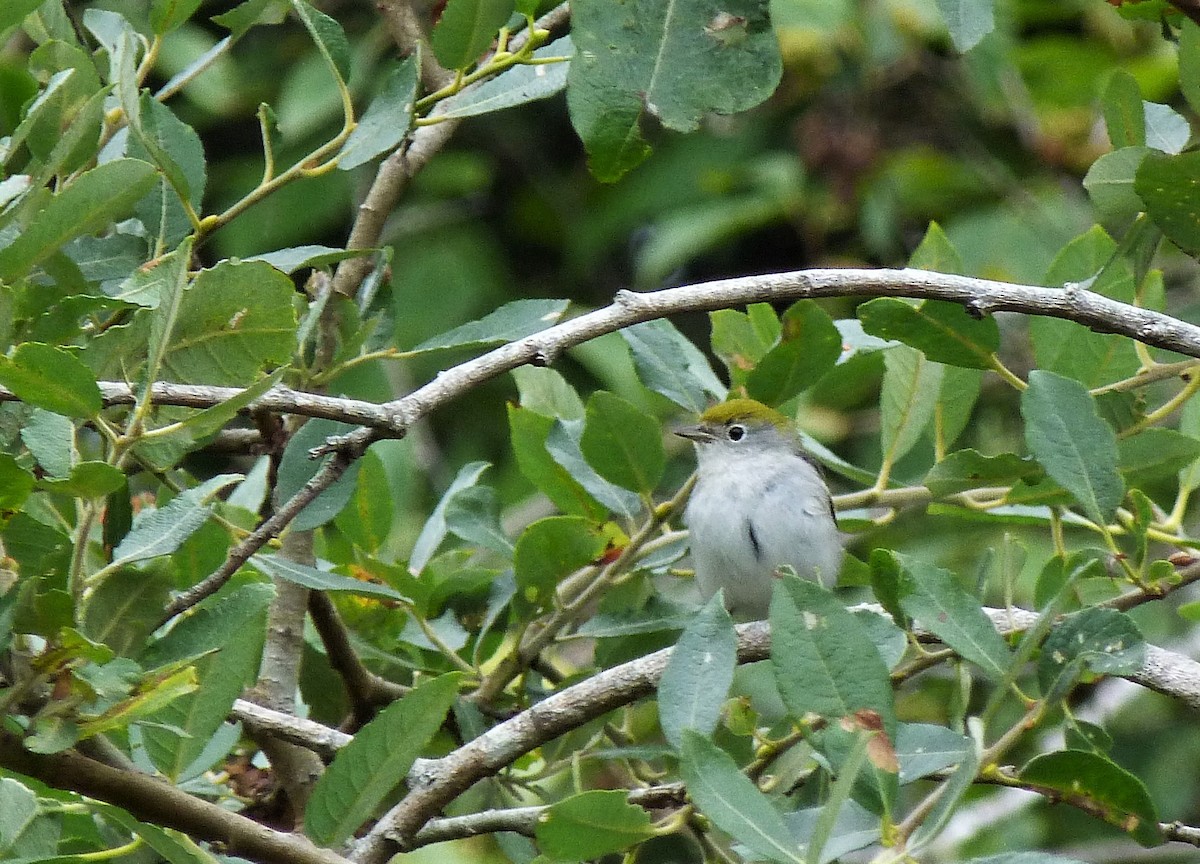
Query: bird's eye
{"x": 736, "y": 432}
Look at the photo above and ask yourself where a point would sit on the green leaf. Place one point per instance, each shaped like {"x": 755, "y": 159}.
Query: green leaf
{"x": 735, "y": 805}
{"x": 387, "y": 119}
{"x": 923, "y": 749}
{"x": 95, "y": 199}
{"x": 160, "y": 531}
{"x": 696, "y": 681}
{"x": 51, "y": 378}
{"x": 250, "y": 13}
{"x": 529, "y": 432}
{"x": 1155, "y": 452}
{"x": 942, "y": 331}
{"x": 86, "y": 480}
{"x": 547, "y": 392}
{"x": 510, "y": 322}
{"x": 171, "y": 846}
{"x": 15, "y": 484}
{"x": 1081, "y": 735}
{"x": 13, "y": 12}
{"x": 935, "y": 599}
{"x": 1077, "y": 448}
{"x": 1189, "y": 62}
{"x": 435, "y": 528}
{"x": 226, "y": 635}
{"x": 911, "y": 386}
{"x": 1100, "y": 640}
{"x": 809, "y": 347}
{"x": 957, "y": 398}
{"x": 1069, "y": 348}
{"x": 474, "y": 516}
{"x": 969, "y": 469}
{"x": 723, "y": 60}
{"x": 824, "y": 661}
{"x": 236, "y": 319}
{"x": 1111, "y": 183}
{"x": 51, "y": 441}
{"x": 1189, "y": 424}
{"x": 321, "y": 580}
{"x": 328, "y": 35}
{"x": 936, "y": 252}
{"x": 298, "y": 257}
{"x": 669, "y": 364}
{"x": 367, "y": 520}
{"x": 967, "y": 20}
{"x": 519, "y": 85}
{"x": 591, "y": 824}
{"x": 563, "y": 445}
{"x": 551, "y": 549}
{"x": 958, "y": 784}
{"x": 623, "y": 443}
{"x": 741, "y": 340}
{"x": 1111, "y": 792}
{"x": 855, "y": 828}
{"x": 174, "y": 147}
{"x": 376, "y": 761}
{"x": 163, "y": 451}
{"x": 125, "y": 609}
{"x": 466, "y": 29}
{"x": 1165, "y": 184}
{"x": 296, "y": 468}
{"x": 18, "y": 810}
{"x": 167, "y": 15}
{"x": 1123, "y": 112}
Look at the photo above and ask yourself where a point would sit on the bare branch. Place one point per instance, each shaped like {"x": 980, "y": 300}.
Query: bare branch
{"x": 366, "y": 690}
{"x": 979, "y": 296}
{"x": 523, "y": 820}
{"x": 152, "y": 800}
{"x": 308, "y": 733}
{"x": 325, "y": 477}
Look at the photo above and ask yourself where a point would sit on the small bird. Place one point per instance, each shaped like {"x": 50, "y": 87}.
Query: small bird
{"x": 759, "y": 504}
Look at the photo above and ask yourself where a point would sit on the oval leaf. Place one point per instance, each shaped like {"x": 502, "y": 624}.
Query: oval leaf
{"x": 1077, "y": 448}
{"x": 370, "y": 766}
{"x": 942, "y": 331}
{"x": 824, "y": 661}
{"x": 732, "y": 802}
{"x": 1103, "y": 787}
{"x": 95, "y": 199}
{"x": 623, "y": 443}
{"x": 51, "y": 378}
{"x": 938, "y": 602}
{"x": 552, "y": 548}
{"x": 590, "y": 825}
{"x": 696, "y": 681}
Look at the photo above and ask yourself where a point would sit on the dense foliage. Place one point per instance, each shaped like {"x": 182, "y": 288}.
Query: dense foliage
{"x": 341, "y": 344}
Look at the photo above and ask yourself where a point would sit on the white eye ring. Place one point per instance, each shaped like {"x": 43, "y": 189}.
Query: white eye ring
{"x": 736, "y": 432}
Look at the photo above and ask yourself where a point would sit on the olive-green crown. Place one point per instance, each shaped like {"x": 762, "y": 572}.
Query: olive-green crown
{"x": 744, "y": 410}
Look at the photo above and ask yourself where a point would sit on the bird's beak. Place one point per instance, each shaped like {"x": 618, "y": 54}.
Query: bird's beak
{"x": 700, "y": 434}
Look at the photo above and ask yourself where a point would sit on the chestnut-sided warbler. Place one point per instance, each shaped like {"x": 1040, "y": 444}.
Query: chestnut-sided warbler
{"x": 759, "y": 504}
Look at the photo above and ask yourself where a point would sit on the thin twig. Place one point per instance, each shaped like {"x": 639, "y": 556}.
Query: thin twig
{"x": 325, "y": 477}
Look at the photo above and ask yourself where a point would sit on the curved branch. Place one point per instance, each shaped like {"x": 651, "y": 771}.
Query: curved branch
{"x": 979, "y": 296}
{"x": 152, "y": 800}
{"x": 434, "y": 783}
